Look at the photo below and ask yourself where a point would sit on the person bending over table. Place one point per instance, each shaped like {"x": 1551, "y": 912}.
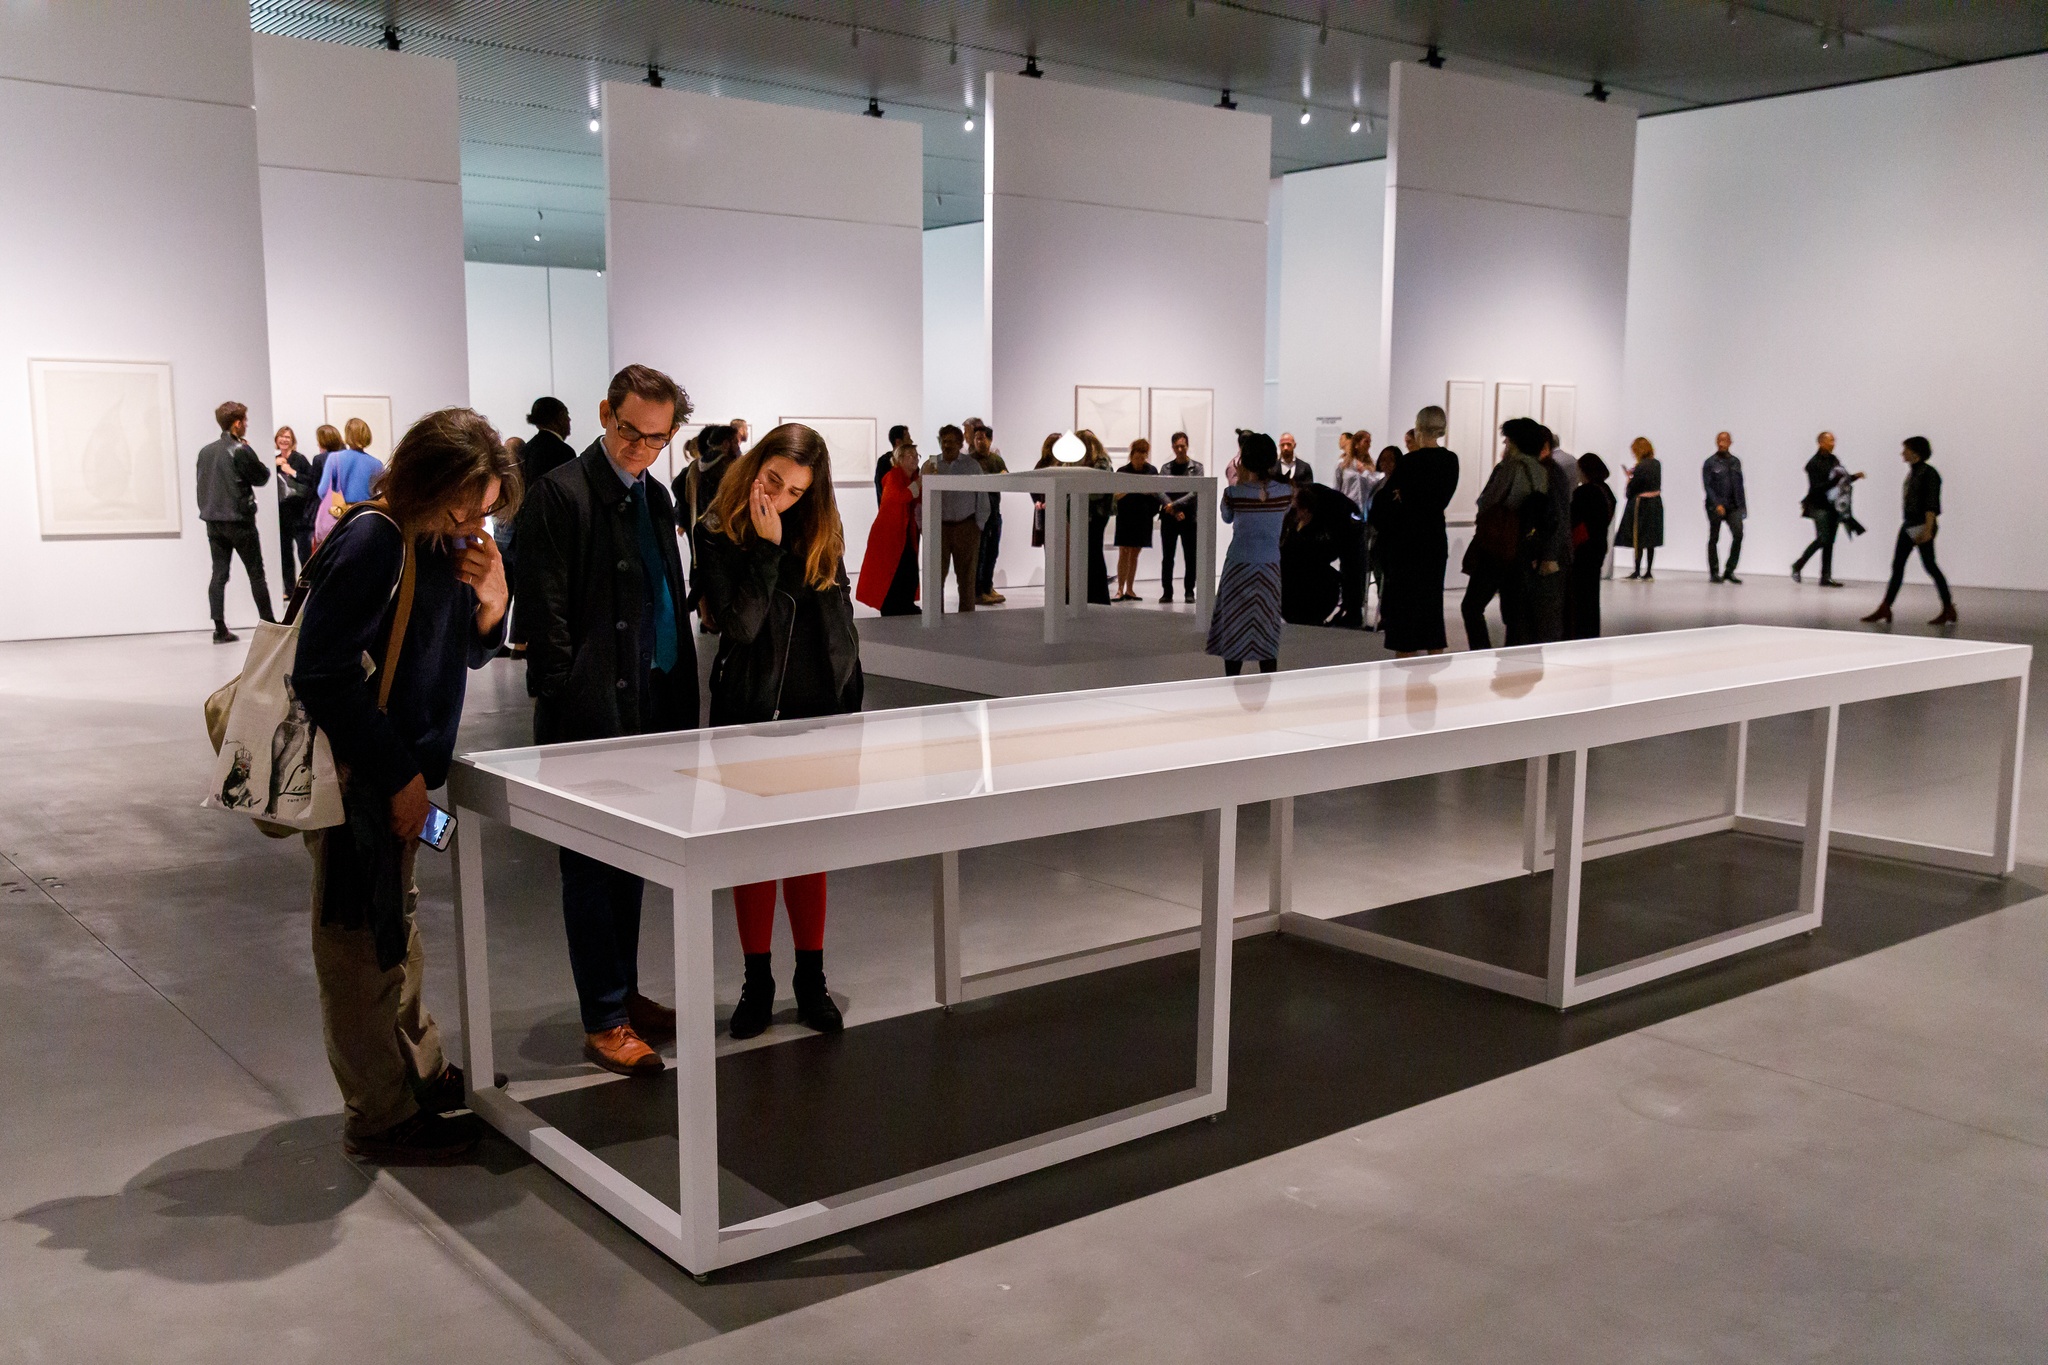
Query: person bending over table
{"x": 773, "y": 573}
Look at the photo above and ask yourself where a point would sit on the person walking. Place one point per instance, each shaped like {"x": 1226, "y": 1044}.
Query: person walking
{"x": 1135, "y": 513}
{"x": 346, "y": 477}
{"x": 1828, "y": 484}
{"x": 1247, "y": 623}
{"x": 296, "y": 487}
{"x": 1721, "y": 477}
{"x": 1177, "y": 526}
{"x": 980, "y": 439}
{"x": 1591, "y": 518}
{"x": 418, "y": 561}
{"x": 609, "y": 652}
{"x": 888, "y": 569}
{"x": 1920, "y": 513}
{"x": 1642, "y": 522}
{"x": 773, "y": 572}
{"x": 229, "y": 475}
{"x": 1417, "y": 544}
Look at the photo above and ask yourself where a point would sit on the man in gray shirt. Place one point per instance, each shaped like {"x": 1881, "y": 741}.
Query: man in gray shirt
{"x": 961, "y": 515}
{"x": 229, "y": 475}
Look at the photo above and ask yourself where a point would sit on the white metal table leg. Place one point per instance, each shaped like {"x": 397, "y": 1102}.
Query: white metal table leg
{"x": 472, "y": 953}
{"x": 2006, "y": 816}
{"x": 696, "y": 1073}
{"x": 946, "y": 987}
{"x": 1280, "y": 857}
{"x": 1738, "y": 766}
{"x": 1206, "y": 521}
{"x": 1820, "y": 810}
{"x": 929, "y": 549}
{"x": 1535, "y": 806}
{"x": 1219, "y": 916}
{"x": 1566, "y": 868}
{"x": 1055, "y": 563}
{"x": 1080, "y": 546}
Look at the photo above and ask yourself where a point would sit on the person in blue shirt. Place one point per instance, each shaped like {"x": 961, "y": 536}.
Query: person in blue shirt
{"x": 346, "y": 478}
{"x": 1247, "y": 623}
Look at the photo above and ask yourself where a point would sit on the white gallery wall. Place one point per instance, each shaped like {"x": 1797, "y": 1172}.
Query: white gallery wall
{"x": 1872, "y": 260}
{"x": 536, "y": 330}
{"x": 1325, "y": 282}
{"x": 132, "y": 232}
{"x": 1506, "y": 253}
{"x": 955, "y": 334}
{"x": 362, "y": 231}
{"x": 1126, "y": 245}
{"x": 770, "y": 259}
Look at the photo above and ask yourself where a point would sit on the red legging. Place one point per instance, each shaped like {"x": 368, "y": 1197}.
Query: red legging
{"x": 804, "y": 897}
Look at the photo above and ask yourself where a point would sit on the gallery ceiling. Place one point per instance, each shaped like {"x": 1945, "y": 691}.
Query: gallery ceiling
{"x": 530, "y": 69}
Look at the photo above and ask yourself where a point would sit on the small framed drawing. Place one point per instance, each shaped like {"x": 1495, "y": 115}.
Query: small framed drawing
{"x": 1512, "y": 400}
{"x": 372, "y": 408}
{"x": 106, "y": 448}
{"x": 852, "y": 444}
{"x": 1561, "y": 414}
{"x": 1189, "y": 410}
{"x": 1465, "y": 407}
{"x": 1115, "y": 415}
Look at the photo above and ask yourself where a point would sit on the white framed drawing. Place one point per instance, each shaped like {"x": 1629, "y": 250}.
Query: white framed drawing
{"x": 1189, "y": 410}
{"x": 1465, "y": 407}
{"x": 852, "y": 443}
{"x": 1115, "y": 415}
{"x": 106, "y": 448}
{"x": 1561, "y": 414}
{"x": 1511, "y": 400}
{"x": 372, "y": 408}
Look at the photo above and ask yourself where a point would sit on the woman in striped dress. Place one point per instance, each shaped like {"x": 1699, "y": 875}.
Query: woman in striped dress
{"x": 1246, "y": 623}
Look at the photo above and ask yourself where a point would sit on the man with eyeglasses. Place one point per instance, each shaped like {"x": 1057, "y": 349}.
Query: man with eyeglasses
{"x": 609, "y": 652}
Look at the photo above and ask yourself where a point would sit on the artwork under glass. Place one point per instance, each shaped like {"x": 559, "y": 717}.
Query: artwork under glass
{"x": 106, "y": 448}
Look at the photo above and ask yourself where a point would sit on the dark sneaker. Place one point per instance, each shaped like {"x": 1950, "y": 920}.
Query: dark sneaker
{"x": 223, "y": 636}
{"x": 425, "y": 1139}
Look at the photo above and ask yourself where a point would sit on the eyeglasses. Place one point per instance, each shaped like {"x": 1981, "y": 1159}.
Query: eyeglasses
{"x": 632, "y": 436}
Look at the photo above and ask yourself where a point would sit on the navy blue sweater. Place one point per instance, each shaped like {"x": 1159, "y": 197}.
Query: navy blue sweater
{"x": 347, "y": 619}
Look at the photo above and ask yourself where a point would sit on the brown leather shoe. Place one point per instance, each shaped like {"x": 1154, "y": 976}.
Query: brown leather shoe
{"x": 1947, "y": 617}
{"x": 652, "y": 1020}
{"x": 620, "y": 1050}
{"x": 1879, "y": 617}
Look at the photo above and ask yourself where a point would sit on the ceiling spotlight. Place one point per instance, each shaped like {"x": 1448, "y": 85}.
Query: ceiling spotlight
{"x": 654, "y": 75}
{"x": 968, "y": 126}
{"x": 1304, "y": 116}
{"x": 536, "y": 236}
{"x": 595, "y": 125}
{"x": 1598, "y": 94}
{"x": 874, "y": 109}
{"x": 1434, "y": 58}
{"x": 1356, "y": 123}
{"x": 1031, "y": 66}
{"x": 1226, "y": 102}
{"x": 391, "y": 36}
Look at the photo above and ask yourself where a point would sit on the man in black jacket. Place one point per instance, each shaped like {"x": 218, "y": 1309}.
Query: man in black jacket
{"x": 1721, "y": 477}
{"x": 229, "y": 475}
{"x": 546, "y": 451}
{"x": 602, "y": 601}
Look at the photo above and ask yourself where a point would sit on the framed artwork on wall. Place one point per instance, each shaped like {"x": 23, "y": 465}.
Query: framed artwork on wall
{"x": 372, "y": 408}
{"x": 106, "y": 448}
{"x": 853, "y": 444}
{"x": 1115, "y": 415}
{"x": 1465, "y": 406}
{"x": 1189, "y": 410}
{"x": 1561, "y": 414}
{"x": 1511, "y": 400}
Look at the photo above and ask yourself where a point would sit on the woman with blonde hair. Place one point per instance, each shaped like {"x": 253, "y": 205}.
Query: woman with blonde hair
{"x": 770, "y": 570}
{"x": 346, "y": 477}
{"x": 1642, "y": 523}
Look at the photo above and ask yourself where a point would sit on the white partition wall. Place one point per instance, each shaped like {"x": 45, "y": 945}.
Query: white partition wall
{"x": 1125, "y": 245}
{"x": 131, "y": 232}
{"x": 1506, "y": 253}
{"x": 771, "y": 260}
{"x": 955, "y": 333}
{"x": 537, "y": 330}
{"x": 1325, "y": 293}
{"x": 362, "y": 230}
{"x": 1871, "y": 260}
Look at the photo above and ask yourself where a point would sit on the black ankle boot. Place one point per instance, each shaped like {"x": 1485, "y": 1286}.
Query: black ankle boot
{"x": 757, "y": 999}
{"x": 814, "y": 1007}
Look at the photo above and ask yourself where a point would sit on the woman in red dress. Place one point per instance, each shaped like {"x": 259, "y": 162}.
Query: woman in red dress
{"x": 888, "y": 569}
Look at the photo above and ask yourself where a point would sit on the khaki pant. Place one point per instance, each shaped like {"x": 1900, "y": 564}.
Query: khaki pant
{"x": 381, "y": 1043}
{"x": 961, "y": 546}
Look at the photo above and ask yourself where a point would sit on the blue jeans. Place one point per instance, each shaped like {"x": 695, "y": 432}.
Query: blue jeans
{"x": 601, "y": 911}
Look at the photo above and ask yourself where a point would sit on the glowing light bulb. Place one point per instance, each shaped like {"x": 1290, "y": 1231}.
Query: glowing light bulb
{"x": 595, "y": 125}
{"x": 1304, "y": 118}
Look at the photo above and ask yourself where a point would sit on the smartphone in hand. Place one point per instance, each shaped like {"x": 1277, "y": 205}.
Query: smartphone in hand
{"x": 439, "y": 831}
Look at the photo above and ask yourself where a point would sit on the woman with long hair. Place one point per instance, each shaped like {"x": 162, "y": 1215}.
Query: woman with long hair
{"x": 1642, "y": 524}
{"x": 1135, "y": 513}
{"x": 1592, "y": 516}
{"x": 1247, "y": 621}
{"x": 771, "y": 570}
{"x": 888, "y": 569}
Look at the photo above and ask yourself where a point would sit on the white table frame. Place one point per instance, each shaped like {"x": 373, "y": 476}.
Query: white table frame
{"x": 1066, "y": 490}
{"x": 692, "y": 865}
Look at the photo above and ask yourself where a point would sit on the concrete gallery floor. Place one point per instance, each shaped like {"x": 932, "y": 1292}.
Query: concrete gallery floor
{"x": 1833, "y": 1149}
